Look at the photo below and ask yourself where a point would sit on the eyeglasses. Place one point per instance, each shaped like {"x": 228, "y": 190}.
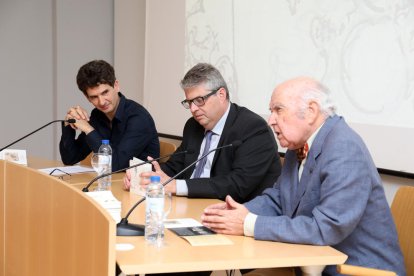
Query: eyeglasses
{"x": 199, "y": 101}
{"x": 62, "y": 175}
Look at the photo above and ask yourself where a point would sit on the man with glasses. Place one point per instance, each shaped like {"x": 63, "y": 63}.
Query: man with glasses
{"x": 242, "y": 172}
{"x": 127, "y": 124}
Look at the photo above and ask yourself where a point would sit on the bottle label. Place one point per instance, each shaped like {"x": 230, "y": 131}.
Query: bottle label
{"x": 155, "y": 205}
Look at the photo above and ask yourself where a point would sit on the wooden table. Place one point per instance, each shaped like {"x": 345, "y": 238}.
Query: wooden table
{"x": 177, "y": 255}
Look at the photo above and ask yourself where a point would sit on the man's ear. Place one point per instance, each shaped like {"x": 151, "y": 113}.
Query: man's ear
{"x": 313, "y": 112}
{"x": 116, "y": 86}
{"x": 221, "y": 93}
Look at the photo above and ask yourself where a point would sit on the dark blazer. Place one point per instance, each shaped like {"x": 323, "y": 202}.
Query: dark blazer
{"x": 242, "y": 172}
{"x": 339, "y": 201}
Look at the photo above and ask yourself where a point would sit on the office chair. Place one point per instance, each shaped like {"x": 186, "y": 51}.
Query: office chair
{"x": 166, "y": 148}
{"x": 402, "y": 209}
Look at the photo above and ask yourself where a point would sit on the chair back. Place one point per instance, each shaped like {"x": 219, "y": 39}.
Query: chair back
{"x": 402, "y": 209}
{"x": 166, "y": 148}
{"x": 87, "y": 160}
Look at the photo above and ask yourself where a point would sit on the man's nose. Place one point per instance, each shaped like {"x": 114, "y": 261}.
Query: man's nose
{"x": 272, "y": 119}
{"x": 193, "y": 107}
{"x": 101, "y": 100}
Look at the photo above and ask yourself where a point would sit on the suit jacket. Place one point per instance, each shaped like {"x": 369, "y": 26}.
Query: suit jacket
{"x": 242, "y": 172}
{"x": 339, "y": 201}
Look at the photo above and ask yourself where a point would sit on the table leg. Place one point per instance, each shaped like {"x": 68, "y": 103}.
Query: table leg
{"x": 315, "y": 270}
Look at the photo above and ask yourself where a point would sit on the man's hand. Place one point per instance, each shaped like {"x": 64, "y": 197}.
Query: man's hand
{"x": 82, "y": 119}
{"x": 145, "y": 178}
{"x": 127, "y": 180}
{"x": 225, "y": 218}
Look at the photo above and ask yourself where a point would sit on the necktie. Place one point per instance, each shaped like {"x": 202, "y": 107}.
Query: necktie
{"x": 302, "y": 152}
{"x": 200, "y": 165}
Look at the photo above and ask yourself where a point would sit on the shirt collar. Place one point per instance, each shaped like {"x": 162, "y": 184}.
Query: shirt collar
{"x": 313, "y": 136}
{"x": 218, "y": 128}
{"x": 120, "y": 109}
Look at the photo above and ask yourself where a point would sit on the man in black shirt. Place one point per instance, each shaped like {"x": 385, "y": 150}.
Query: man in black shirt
{"x": 127, "y": 124}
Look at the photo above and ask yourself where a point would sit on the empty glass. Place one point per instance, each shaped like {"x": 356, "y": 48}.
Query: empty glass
{"x": 100, "y": 162}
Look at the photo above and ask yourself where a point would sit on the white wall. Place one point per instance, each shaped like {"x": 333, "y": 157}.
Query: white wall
{"x": 44, "y": 42}
{"x": 42, "y": 45}
{"x": 130, "y": 47}
{"x": 169, "y": 51}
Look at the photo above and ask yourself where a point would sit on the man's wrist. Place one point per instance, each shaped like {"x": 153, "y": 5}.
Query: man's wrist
{"x": 248, "y": 225}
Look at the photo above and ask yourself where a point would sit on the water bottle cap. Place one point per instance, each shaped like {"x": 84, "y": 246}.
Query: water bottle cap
{"x": 105, "y": 142}
{"x": 155, "y": 178}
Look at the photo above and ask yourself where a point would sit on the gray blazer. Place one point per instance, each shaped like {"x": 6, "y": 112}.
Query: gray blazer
{"x": 339, "y": 201}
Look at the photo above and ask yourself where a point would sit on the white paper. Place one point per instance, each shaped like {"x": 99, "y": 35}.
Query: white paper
{"x": 67, "y": 170}
{"x": 14, "y": 155}
{"x": 135, "y": 178}
{"x": 181, "y": 222}
{"x": 109, "y": 202}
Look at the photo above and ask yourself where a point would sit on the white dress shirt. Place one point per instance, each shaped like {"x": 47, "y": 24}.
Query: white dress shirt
{"x": 182, "y": 189}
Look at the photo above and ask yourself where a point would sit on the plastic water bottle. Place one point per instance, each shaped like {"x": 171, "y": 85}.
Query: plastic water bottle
{"x": 105, "y": 149}
{"x": 154, "y": 212}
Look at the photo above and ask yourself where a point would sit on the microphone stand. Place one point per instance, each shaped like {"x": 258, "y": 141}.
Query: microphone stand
{"x": 123, "y": 228}
{"x": 86, "y": 188}
{"x": 71, "y": 121}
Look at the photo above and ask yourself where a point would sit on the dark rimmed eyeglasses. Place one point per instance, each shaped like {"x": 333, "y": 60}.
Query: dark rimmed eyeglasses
{"x": 199, "y": 101}
{"x": 62, "y": 175}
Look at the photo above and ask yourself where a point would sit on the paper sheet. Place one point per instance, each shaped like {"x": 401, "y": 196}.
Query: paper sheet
{"x": 67, "y": 169}
{"x": 135, "y": 178}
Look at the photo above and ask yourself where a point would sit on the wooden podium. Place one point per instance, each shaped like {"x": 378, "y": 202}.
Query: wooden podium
{"x": 49, "y": 227}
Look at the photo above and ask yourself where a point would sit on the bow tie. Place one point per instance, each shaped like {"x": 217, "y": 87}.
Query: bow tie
{"x": 302, "y": 152}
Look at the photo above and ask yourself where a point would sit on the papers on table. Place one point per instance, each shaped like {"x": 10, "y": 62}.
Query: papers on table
{"x": 195, "y": 233}
{"x": 107, "y": 200}
{"x": 182, "y": 222}
{"x": 58, "y": 171}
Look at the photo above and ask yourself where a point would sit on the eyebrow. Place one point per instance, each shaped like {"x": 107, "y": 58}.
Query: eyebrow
{"x": 94, "y": 96}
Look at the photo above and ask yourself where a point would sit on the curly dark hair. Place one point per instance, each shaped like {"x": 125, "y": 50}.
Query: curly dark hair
{"x": 94, "y": 73}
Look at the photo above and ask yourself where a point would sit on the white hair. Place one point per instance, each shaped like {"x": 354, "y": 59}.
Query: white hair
{"x": 320, "y": 94}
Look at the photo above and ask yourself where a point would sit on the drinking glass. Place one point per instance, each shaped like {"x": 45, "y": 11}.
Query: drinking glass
{"x": 100, "y": 163}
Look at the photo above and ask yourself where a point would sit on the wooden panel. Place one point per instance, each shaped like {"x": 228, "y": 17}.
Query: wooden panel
{"x": 2, "y": 210}
{"x": 53, "y": 228}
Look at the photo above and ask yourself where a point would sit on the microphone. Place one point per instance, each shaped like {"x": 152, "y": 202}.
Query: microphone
{"x": 70, "y": 121}
{"x": 123, "y": 228}
{"x": 86, "y": 188}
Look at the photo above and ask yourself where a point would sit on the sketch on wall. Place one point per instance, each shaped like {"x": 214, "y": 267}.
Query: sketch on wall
{"x": 363, "y": 50}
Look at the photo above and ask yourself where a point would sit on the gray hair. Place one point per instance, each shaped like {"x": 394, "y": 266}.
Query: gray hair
{"x": 319, "y": 93}
{"x": 204, "y": 74}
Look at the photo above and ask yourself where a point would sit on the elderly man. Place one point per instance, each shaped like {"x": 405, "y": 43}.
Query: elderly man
{"x": 329, "y": 192}
{"x": 242, "y": 172}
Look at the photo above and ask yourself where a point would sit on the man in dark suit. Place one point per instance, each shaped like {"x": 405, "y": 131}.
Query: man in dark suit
{"x": 330, "y": 196}
{"x": 242, "y": 172}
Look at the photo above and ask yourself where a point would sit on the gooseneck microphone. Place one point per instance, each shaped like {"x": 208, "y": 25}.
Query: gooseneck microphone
{"x": 123, "y": 228}
{"x": 86, "y": 188}
{"x": 70, "y": 121}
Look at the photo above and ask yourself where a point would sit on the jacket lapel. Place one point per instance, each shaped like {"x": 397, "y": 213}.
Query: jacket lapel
{"x": 227, "y": 127}
{"x": 310, "y": 164}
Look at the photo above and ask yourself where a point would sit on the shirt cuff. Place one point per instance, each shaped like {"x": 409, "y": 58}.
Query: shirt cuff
{"x": 181, "y": 187}
{"x": 248, "y": 226}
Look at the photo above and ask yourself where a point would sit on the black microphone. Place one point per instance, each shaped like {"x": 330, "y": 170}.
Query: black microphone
{"x": 70, "y": 121}
{"x": 123, "y": 228}
{"x": 86, "y": 188}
